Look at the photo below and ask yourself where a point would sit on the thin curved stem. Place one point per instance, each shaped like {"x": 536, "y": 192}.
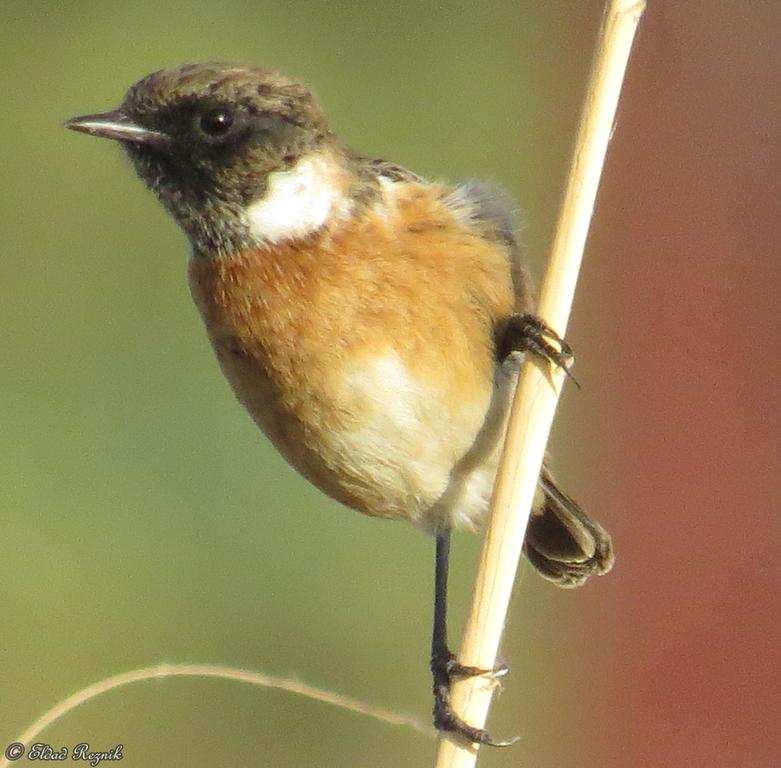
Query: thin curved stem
{"x": 226, "y": 673}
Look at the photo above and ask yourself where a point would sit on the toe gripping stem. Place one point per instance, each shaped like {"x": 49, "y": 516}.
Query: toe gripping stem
{"x": 530, "y": 333}
{"x": 445, "y": 668}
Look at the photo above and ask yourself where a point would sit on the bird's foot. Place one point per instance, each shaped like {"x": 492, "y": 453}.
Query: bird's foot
{"x": 530, "y": 333}
{"x": 444, "y": 668}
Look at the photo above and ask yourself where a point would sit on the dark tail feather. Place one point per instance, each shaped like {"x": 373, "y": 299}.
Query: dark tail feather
{"x": 563, "y": 543}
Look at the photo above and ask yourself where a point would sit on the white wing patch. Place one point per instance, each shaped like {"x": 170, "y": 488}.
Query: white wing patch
{"x": 298, "y": 202}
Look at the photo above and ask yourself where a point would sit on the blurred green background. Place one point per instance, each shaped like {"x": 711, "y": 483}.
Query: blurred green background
{"x": 144, "y": 519}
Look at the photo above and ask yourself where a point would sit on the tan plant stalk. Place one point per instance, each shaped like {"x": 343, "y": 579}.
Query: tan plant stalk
{"x": 538, "y": 389}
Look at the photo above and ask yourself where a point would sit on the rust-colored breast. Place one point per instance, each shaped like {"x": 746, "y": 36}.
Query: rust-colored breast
{"x": 313, "y": 334}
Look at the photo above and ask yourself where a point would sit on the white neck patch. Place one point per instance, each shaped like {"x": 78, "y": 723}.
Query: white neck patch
{"x": 298, "y": 202}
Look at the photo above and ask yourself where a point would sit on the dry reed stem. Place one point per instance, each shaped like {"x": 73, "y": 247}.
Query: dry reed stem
{"x": 538, "y": 389}
{"x": 226, "y": 673}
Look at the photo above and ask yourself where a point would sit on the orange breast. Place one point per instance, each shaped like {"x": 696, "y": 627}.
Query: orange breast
{"x": 365, "y": 351}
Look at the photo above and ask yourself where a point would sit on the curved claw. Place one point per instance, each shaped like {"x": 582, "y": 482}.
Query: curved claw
{"x": 530, "y": 333}
{"x": 445, "y": 719}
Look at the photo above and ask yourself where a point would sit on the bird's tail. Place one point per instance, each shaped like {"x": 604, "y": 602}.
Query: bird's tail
{"x": 562, "y": 542}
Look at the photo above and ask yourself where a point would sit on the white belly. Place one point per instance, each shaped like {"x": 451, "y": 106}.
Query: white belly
{"x": 418, "y": 456}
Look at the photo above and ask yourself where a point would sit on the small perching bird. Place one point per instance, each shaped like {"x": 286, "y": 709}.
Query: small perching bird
{"x": 372, "y": 322}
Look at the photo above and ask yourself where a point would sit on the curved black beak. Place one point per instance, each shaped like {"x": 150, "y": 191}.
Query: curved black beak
{"x": 118, "y": 126}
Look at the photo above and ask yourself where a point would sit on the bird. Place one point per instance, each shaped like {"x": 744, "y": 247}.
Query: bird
{"x": 371, "y": 321}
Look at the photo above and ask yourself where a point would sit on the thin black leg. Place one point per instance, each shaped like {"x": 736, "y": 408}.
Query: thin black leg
{"x": 444, "y": 666}
{"x": 439, "y": 648}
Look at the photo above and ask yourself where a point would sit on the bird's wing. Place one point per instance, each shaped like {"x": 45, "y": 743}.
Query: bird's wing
{"x": 491, "y": 209}
{"x": 494, "y": 212}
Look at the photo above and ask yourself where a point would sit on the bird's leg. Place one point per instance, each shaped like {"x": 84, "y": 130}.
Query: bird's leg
{"x": 530, "y": 333}
{"x": 444, "y": 666}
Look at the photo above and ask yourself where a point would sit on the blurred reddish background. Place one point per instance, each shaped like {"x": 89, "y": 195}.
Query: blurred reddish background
{"x": 685, "y": 263}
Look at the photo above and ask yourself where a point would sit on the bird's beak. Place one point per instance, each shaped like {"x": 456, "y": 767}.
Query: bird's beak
{"x": 118, "y": 126}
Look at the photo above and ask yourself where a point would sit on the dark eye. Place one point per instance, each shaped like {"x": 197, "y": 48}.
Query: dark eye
{"x": 216, "y": 122}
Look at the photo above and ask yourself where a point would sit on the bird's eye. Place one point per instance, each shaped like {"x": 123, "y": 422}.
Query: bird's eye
{"x": 216, "y": 122}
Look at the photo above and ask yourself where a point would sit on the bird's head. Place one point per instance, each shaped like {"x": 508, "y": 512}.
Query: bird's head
{"x": 211, "y": 139}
